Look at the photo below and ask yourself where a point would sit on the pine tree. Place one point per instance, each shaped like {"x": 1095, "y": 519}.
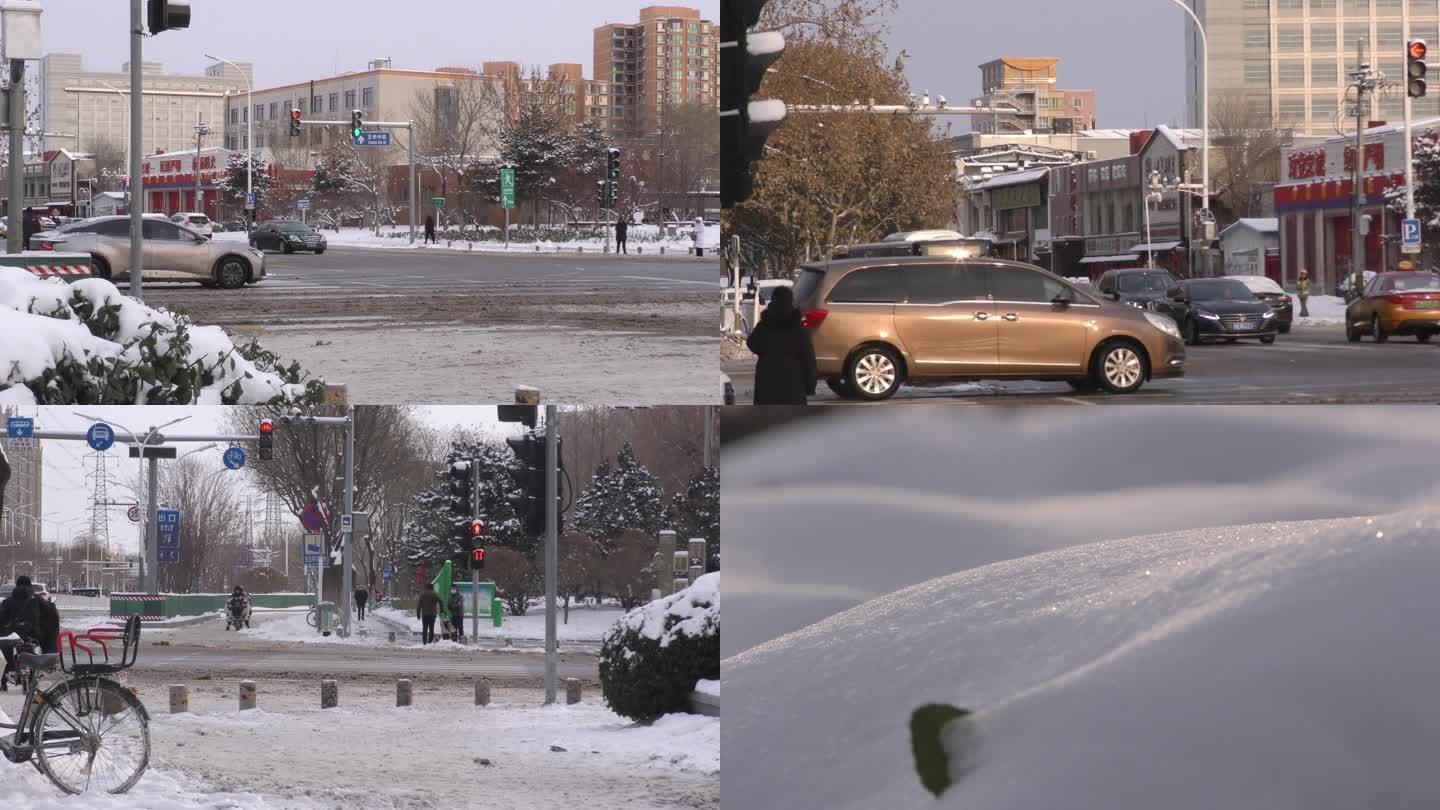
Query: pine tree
{"x": 1427, "y": 184}
{"x": 441, "y": 519}
{"x": 620, "y": 498}
{"x": 695, "y": 513}
{"x": 232, "y": 185}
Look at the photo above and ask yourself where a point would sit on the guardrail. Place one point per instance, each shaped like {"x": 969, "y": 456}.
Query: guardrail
{"x": 47, "y": 264}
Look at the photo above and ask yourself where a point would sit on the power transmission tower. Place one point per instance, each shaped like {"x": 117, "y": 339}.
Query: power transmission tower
{"x": 98, "y": 478}
{"x": 273, "y": 532}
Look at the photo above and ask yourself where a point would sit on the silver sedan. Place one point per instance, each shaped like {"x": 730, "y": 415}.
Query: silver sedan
{"x": 169, "y": 252}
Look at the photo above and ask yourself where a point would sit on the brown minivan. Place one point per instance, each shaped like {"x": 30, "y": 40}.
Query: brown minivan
{"x": 880, "y": 322}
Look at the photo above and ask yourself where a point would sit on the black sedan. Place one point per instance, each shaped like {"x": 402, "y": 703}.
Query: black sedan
{"x": 1207, "y": 308}
{"x": 287, "y": 236}
{"x": 1273, "y": 294}
{"x": 1136, "y": 286}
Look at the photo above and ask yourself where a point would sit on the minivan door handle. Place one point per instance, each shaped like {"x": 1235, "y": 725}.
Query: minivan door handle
{"x": 980, "y": 316}
{"x": 1010, "y": 316}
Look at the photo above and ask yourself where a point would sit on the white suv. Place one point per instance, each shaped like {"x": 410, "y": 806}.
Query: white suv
{"x": 195, "y": 222}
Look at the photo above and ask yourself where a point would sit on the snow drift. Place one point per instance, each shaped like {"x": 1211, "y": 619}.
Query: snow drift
{"x": 1276, "y": 665}
{"x": 87, "y": 342}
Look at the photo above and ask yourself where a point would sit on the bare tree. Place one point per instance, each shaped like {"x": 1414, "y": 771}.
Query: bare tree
{"x": 456, "y": 122}
{"x": 1245, "y": 143}
{"x": 213, "y": 529}
{"x": 687, "y": 158}
{"x": 109, "y": 158}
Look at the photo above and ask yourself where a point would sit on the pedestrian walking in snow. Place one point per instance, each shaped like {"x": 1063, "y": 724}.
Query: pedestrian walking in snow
{"x": 456, "y": 608}
{"x": 427, "y": 607}
{"x": 785, "y": 357}
{"x": 361, "y": 597}
{"x": 1302, "y": 291}
{"x": 695, "y": 233}
{"x": 429, "y": 228}
{"x": 620, "y": 228}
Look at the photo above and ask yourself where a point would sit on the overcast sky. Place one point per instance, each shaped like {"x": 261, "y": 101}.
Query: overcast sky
{"x": 298, "y": 40}
{"x": 1130, "y": 52}
{"x": 821, "y": 516}
{"x": 67, "y": 492}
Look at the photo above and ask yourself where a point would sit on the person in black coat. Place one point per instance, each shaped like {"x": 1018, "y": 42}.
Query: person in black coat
{"x": 429, "y": 228}
{"x": 785, "y": 364}
{"x": 621, "y": 226}
{"x": 30, "y": 226}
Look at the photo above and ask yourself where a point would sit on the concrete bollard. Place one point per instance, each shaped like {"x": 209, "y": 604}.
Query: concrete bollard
{"x": 537, "y": 248}
{"x": 247, "y": 695}
{"x": 329, "y": 694}
{"x": 572, "y": 691}
{"x": 639, "y": 248}
{"x": 579, "y": 248}
{"x": 662, "y": 250}
{"x": 482, "y": 692}
{"x": 468, "y": 246}
{"x": 403, "y": 692}
{"x": 179, "y": 699}
{"x": 391, "y": 637}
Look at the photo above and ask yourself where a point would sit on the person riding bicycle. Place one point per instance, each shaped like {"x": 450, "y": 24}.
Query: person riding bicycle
{"x": 239, "y": 604}
{"x": 31, "y": 617}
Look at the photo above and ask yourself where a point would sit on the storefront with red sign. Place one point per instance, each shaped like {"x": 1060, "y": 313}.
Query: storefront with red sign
{"x": 169, "y": 181}
{"x": 1314, "y": 197}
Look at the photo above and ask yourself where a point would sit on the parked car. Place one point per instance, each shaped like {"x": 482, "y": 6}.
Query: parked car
{"x": 1224, "y": 308}
{"x": 287, "y": 236}
{"x": 880, "y": 323}
{"x": 1136, "y": 286}
{"x": 198, "y": 223}
{"x": 170, "y": 252}
{"x": 1269, "y": 291}
{"x": 1403, "y": 302}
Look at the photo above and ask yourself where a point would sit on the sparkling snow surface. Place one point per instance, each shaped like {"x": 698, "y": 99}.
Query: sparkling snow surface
{"x": 1274, "y": 665}
{"x": 694, "y": 608}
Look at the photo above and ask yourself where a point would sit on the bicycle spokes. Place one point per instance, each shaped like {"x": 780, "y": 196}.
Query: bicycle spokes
{"x": 94, "y": 737}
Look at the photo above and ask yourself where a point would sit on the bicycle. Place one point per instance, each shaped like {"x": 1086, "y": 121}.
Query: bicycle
{"x": 86, "y": 732}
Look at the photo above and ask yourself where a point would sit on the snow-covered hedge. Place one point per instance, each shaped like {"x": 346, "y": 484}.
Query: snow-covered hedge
{"x": 86, "y": 343}
{"x": 652, "y": 658}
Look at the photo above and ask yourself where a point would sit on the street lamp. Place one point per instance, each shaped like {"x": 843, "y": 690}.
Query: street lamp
{"x": 201, "y": 129}
{"x": 125, "y": 99}
{"x": 249, "y": 137}
{"x": 1204, "y": 114}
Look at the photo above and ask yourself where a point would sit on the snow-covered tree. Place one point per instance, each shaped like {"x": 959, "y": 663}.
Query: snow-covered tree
{"x": 619, "y": 498}
{"x": 439, "y": 524}
{"x": 695, "y": 513}
{"x": 347, "y": 184}
{"x": 232, "y": 184}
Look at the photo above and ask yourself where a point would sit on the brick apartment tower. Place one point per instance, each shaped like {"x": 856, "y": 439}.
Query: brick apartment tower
{"x": 670, "y": 57}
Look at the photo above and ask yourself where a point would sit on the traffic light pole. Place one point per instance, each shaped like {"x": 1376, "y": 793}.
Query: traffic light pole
{"x": 409, "y": 127}
{"x": 474, "y": 569}
{"x": 347, "y": 552}
{"x": 137, "y": 150}
{"x": 1405, "y": 133}
{"x": 552, "y": 544}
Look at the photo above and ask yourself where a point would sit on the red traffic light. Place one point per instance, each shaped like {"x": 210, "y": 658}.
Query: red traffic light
{"x": 1416, "y": 49}
{"x": 477, "y": 529}
{"x": 267, "y": 426}
{"x": 478, "y": 555}
{"x": 294, "y": 115}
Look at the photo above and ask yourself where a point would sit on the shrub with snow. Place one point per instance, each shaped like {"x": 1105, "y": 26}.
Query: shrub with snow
{"x": 651, "y": 659}
{"x": 87, "y": 343}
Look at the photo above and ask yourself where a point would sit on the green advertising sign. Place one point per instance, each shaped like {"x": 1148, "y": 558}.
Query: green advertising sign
{"x": 507, "y": 188}
{"x": 438, "y": 202}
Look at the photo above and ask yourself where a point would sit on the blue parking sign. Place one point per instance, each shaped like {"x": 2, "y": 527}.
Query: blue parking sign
{"x": 1410, "y": 232}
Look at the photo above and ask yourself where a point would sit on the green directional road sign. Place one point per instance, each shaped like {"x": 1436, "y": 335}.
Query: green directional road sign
{"x": 438, "y": 202}
{"x": 507, "y": 188}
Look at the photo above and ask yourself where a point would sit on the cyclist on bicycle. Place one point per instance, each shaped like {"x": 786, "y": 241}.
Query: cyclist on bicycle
{"x": 30, "y": 616}
{"x": 239, "y": 606}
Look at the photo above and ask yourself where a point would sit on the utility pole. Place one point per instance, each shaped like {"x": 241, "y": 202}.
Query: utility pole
{"x": 15, "y": 235}
{"x": 552, "y": 568}
{"x": 347, "y": 577}
{"x": 137, "y": 148}
{"x": 200, "y": 129}
{"x": 474, "y": 569}
{"x": 1363, "y": 80}
{"x": 709, "y": 432}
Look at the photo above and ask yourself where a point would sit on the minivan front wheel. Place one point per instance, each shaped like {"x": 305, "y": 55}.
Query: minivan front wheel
{"x": 873, "y": 372}
{"x": 1119, "y": 367}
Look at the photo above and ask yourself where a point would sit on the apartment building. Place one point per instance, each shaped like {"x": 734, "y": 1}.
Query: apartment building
{"x": 1288, "y": 59}
{"x": 95, "y": 105}
{"x": 1029, "y": 86}
{"x": 670, "y": 57}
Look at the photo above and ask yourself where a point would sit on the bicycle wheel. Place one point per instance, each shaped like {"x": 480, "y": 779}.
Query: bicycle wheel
{"x": 310, "y": 617}
{"x": 94, "y": 736}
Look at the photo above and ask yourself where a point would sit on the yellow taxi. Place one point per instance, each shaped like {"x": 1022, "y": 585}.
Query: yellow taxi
{"x": 1402, "y": 302}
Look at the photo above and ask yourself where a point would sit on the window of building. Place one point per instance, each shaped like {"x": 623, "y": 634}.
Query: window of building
{"x": 274, "y": 109}
{"x": 234, "y": 115}
{"x": 1357, "y": 6}
{"x": 315, "y": 104}
{"x": 349, "y": 99}
{"x": 1323, "y": 108}
{"x": 1355, "y": 33}
{"x": 1324, "y": 73}
{"x": 1292, "y": 73}
{"x": 259, "y": 112}
{"x": 1257, "y": 37}
{"x": 1257, "y": 72}
{"x": 1290, "y": 38}
{"x": 1292, "y": 108}
{"x": 1290, "y": 8}
{"x": 334, "y": 102}
{"x": 1258, "y": 105}
{"x": 1258, "y": 4}
{"x": 1387, "y": 7}
{"x": 1322, "y": 6}
{"x": 1322, "y": 37}
{"x": 1387, "y": 35}
{"x": 367, "y": 98}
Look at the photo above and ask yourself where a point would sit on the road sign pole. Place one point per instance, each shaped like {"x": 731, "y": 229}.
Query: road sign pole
{"x": 414, "y": 189}
{"x": 347, "y": 552}
{"x": 551, "y": 549}
{"x": 152, "y": 529}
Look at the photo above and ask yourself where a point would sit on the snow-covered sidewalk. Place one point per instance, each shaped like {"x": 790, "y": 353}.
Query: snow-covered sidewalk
{"x": 393, "y": 238}
{"x": 1325, "y": 310}
{"x": 586, "y": 624}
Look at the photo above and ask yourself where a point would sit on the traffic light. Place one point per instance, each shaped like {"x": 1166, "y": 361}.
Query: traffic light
{"x": 600, "y": 195}
{"x": 167, "y": 14}
{"x": 744, "y": 124}
{"x": 1415, "y": 68}
{"x": 460, "y": 489}
{"x": 477, "y": 530}
{"x": 529, "y": 475}
{"x": 477, "y": 559}
{"x": 267, "y": 439}
{"x": 524, "y": 414}
{"x": 357, "y": 124}
{"x": 294, "y": 122}
{"x": 612, "y": 165}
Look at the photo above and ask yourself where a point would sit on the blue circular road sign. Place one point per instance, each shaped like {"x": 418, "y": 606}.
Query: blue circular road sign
{"x": 235, "y": 458}
{"x": 100, "y": 436}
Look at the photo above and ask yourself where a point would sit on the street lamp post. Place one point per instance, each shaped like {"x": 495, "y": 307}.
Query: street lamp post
{"x": 1204, "y": 116}
{"x": 200, "y": 129}
{"x": 249, "y": 138}
{"x": 125, "y": 99}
